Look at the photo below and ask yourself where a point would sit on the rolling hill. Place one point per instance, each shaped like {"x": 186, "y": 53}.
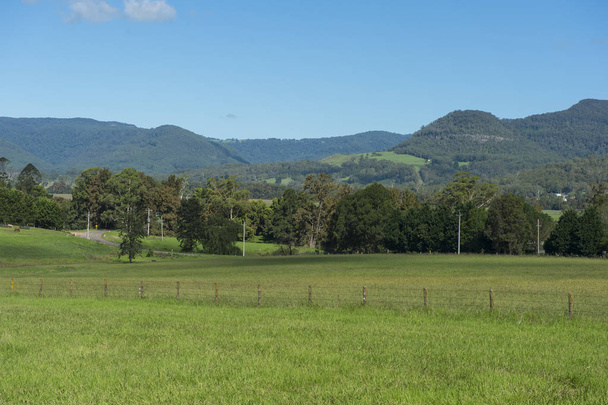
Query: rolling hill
{"x": 494, "y": 147}
{"x": 75, "y": 144}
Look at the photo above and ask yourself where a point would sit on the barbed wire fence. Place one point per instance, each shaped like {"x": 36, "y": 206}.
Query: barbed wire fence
{"x": 383, "y": 295}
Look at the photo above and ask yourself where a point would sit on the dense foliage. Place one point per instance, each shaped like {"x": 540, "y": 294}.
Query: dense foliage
{"x": 494, "y": 147}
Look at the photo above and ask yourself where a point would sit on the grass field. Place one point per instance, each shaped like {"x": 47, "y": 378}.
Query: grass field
{"x": 122, "y": 349}
{"x": 94, "y": 351}
{"x": 338, "y": 159}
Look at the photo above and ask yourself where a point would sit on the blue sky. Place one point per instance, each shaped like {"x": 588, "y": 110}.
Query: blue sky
{"x": 296, "y": 69}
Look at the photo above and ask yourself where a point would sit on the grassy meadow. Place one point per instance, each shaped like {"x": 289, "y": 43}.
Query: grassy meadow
{"x": 87, "y": 348}
{"x": 339, "y": 159}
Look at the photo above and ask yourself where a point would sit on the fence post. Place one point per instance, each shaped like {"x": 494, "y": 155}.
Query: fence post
{"x": 426, "y": 297}
{"x": 12, "y": 285}
{"x": 309, "y": 295}
{"x": 216, "y": 293}
{"x": 570, "y": 306}
{"x": 71, "y": 287}
{"x": 491, "y": 300}
{"x": 105, "y": 288}
{"x": 259, "y": 295}
{"x": 178, "y": 290}
{"x": 141, "y": 289}
{"x": 40, "y": 293}
{"x": 364, "y": 295}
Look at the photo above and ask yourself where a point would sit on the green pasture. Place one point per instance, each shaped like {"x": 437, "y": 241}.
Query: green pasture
{"x": 41, "y": 246}
{"x": 339, "y": 159}
{"x": 75, "y": 351}
{"x": 64, "y": 340}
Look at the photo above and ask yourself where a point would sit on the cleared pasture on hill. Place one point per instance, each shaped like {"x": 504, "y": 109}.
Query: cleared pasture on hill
{"x": 339, "y": 159}
{"x": 75, "y": 351}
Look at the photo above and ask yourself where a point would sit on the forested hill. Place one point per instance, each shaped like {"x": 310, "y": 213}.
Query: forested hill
{"x": 60, "y": 145}
{"x": 495, "y": 147}
{"x": 282, "y": 150}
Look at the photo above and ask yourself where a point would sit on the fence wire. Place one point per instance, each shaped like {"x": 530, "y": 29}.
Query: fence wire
{"x": 388, "y": 295}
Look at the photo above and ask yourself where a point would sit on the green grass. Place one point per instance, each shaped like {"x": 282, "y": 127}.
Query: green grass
{"x": 123, "y": 349}
{"x": 339, "y": 159}
{"x": 75, "y": 351}
{"x": 555, "y": 214}
{"x": 41, "y": 246}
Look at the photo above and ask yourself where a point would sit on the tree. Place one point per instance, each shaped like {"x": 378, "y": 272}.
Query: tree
{"x": 5, "y": 180}
{"x": 131, "y": 232}
{"x": 28, "y": 178}
{"x": 508, "y": 226}
{"x": 562, "y": 240}
{"x": 48, "y": 214}
{"x": 466, "y": 188}
{"x": 360, "y": 219}
{"x": 316, "y": 214}
{"x": 591, "y": 233}
{"x": 190, "y": 223}
{"x": 219, "y": 236}
{"x": 284, "y": 228}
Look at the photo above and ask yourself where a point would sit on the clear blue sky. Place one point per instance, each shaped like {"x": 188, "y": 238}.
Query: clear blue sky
{"x": 294, "y": 69}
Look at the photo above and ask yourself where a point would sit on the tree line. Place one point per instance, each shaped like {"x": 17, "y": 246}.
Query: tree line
{"x": 467, "y": 215}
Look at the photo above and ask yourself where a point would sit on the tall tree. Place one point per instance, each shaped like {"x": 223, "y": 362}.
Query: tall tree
{"x": 322, "y": 199}
{"x": 5, "y": 180}
{"x": 285, "y": 229}
{"x": 360, "y": 219}
{"x": 508, "y": 226}
{"x": 131, "y": 231}
{"x": 563, "y": 238}
{"x": 466, "y": 188}
{"x": 28, "y": 178}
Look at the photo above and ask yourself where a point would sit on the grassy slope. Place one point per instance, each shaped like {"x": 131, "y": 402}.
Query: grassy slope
{"x": 94, "y": 351}
{"x": 338, "y": 159}
{"x": 41, "y": 246}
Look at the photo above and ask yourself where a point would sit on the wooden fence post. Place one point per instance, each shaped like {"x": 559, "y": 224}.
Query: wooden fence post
{"x": 12, "y": 285}
{"x": 71, "y": 287}
{"x": 570, "y": 306}
{"x": 491, "y": 300}
{"x": 309, "y": 295}
{"x": 40, "y": 293}
{"x": 217, "y": 295}
{"x": 141, "y": 289}
{"x": 178, "y": 290}
{"x": 259, "y": 295}
{"x": 426, "y": 297}
{"x": 364, "y": 295}
{"x": 105, "y": 288}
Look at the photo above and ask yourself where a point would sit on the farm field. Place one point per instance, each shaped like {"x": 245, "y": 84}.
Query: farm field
{"x": 75, "y": 351}
{"x": 69, "y": 343}
{"x": 338, "y": 159}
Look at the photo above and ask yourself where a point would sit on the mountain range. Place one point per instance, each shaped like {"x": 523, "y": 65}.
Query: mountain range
{"x": 471, "y": 140}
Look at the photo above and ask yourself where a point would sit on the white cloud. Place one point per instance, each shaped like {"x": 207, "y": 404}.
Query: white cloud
{"x": 97, "y": 11}
{"x": 149, "y": 10}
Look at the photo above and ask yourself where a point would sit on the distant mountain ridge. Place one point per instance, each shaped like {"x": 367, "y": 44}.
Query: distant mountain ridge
{"x": 281, "y": 150}
{"x": 494, "y": 147}
{"x": 54, "y": 144}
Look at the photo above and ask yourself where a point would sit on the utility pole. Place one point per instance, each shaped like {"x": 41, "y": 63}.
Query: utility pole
{"x": 538, "y": 236}
{"x": 459, "y": 215}
{"x": 162, "y": 229}
{"x": 148, "y": 221}
{"x": 243, "y": 238}
{"x": 88, "y": 224}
